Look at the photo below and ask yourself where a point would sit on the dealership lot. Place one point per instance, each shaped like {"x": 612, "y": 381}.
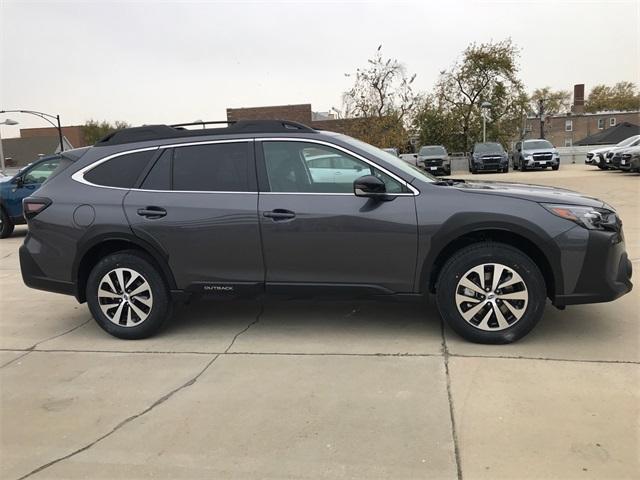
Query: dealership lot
{"x": 309, "y": 389}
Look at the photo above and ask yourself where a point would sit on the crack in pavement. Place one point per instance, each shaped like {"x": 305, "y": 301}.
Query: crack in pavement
{"x": 320, "y": 354}
{"x": 454, "y": 433}
{"x": 158, "y": 402}
{"x": 32, "y": 348}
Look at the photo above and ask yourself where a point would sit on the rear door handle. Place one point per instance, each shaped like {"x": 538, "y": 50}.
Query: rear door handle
{"x": 280, "y": 214}
{"x": 152, "y": 212}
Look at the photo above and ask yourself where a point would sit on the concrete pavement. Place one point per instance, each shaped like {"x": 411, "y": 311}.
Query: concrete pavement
{"x": 309, "y": 389}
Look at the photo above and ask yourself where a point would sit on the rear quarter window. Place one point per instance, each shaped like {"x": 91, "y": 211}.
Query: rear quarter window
{"x": 122, "y": 171}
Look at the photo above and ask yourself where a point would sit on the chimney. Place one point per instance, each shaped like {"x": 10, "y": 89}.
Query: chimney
{"x": 578, "y": 99}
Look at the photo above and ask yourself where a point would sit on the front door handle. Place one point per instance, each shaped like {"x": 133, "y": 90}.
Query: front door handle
{"x": 152, "y": 212}
{"x": 280, "y": 214}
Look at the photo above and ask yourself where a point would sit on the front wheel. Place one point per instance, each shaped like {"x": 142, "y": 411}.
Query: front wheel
{"x": 6, "y": 225}
{"x": 555, "y": 167}
{"x": 491, "y": 293}
{"x": 128, "y": 296}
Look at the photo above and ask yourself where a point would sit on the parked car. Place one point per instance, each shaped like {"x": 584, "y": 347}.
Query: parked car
{"x": 16, "y": 187}
{"x": 598, "y": 156}
{"x": 488, "y": 156}
{"x": 434, "y": 159}
{"x": 634, "y": 161}
{"x": 537, "y": 153}
{"x": 154, "y": 214}
{"x": 392, "y": 151}
{"x": 622, "y": 158}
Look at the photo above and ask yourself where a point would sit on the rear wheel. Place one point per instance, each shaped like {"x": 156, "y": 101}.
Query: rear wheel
{"x": 491, "y": 293}
{"x": 128, "y": 296}
{"x": 6, "y": 225}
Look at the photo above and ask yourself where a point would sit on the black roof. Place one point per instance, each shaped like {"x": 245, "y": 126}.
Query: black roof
{"x": 160, "y": 132}
{"x": 611, "y": 135}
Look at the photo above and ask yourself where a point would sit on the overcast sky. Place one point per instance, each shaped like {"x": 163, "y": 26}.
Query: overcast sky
{"x": 175, "y": 61}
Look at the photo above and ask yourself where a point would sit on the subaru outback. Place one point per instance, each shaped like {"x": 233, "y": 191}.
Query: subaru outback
{"x": 156, "y": 214}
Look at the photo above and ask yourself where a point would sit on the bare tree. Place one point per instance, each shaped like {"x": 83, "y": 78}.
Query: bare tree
{"x": 382, "y": 88}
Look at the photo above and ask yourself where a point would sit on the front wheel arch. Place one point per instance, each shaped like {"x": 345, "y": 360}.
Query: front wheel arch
{"x": 432, "y": 268}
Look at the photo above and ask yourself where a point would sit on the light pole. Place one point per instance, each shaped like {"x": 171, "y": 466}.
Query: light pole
{"x": 8, "y": 121}
{"x": 485, "y": 106}
{"x": 44, "y": 116}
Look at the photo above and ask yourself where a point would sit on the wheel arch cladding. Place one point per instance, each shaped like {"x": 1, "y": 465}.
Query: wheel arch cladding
{"x": 535, "y": 246}
{"x": 102, "y": 246}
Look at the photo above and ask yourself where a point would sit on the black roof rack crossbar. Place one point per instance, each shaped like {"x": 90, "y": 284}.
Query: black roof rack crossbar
{"x": 160, "y": 132}
{"x": 214, "y": 122}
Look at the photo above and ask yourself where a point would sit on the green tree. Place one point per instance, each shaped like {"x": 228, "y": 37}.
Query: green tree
{"x": 436, "y": 125}
{"x": 554, "y": 101}
{"x": 622, "y": 96}
{"x": 94, "y": 130}
{"x": 487, "y": 72}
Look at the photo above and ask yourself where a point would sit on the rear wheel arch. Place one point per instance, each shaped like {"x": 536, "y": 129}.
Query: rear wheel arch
{"x": 103, "y": 246}
{"x": 434, "y": 263}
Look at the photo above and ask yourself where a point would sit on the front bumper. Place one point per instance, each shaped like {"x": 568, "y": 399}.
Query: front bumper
{"x": 605, "y": 274}
{"x": 554, "y": 162}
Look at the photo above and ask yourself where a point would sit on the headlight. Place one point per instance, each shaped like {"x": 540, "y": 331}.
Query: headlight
{"x": 528, "y": 157}
{"x": 587, "y": 217}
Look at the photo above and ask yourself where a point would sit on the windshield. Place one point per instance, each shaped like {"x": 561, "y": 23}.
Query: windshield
{"x": 488, "y": 148}
{"x": 628, "y": 141}
{"x": 389, "y": 158}
{"x": 536, "y": 144}
{"x": 434, "y": 150}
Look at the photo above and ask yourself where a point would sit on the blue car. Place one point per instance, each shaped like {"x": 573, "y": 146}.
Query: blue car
{"x": 14, "y": 188}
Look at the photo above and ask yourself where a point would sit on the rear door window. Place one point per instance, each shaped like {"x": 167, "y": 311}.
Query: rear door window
{"x": 218, "y": 167}
{"x": 159, "y": 177}
{"x": 40, "y": 172}
{"x": 122, "y": 171}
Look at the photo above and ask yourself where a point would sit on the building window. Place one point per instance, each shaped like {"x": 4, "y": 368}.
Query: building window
{"x": 612, "y": 122}
{"x": 568, "y": 125}
{"x": 600, "y": 123}
{"x": 568, "y": 142}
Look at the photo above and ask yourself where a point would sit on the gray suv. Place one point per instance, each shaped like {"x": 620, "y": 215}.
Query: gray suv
{"x": 530, "y": 154}
{"x": 155, "y": 214}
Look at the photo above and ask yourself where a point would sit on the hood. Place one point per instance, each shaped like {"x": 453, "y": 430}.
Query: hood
{"x": 531, "y": 151}
{"x": 534, "y": 193}
{"x": 5, "y": 178}
{"x": 600, "y": 150}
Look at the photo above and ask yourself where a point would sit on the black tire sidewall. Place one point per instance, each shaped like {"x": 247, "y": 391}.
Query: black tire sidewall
{"x": 160, "y": 310}
{"x": 478, "y": 254}
{"x": 7, "y": 224}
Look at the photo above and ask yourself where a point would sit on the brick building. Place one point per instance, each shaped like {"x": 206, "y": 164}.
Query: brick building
{"x": 301, "y": 113}
{"x": 73, "y": 134}
{"x": 567, "y": 129}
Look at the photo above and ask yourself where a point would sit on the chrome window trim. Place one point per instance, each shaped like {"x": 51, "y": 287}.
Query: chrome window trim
{"x": 79, "y": 175}
{"x": 414, "y": 190}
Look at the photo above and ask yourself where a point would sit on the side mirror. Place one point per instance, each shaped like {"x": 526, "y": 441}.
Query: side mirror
{"x": 369, "y": 186}
{"x": 19, "y": 181}
{"x": 415, "y": 155}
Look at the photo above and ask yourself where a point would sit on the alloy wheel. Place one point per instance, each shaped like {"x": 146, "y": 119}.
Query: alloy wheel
{"x": 125, "y": 297}
{"x": 491, "y": 297}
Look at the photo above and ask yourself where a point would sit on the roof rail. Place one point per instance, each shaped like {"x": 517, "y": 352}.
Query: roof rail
{"x": 160, "y": 132}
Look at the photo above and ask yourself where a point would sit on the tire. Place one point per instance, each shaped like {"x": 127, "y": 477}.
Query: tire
{"x": 523, "y": 167}
{"x": 151, "y": 306}
{"x": 515, "y": 165}
{"x": 484, "y": 324}
{"x": 555, "y": 167}
{"x": 505, "y": 169}
{"x": 6, "y": 225}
